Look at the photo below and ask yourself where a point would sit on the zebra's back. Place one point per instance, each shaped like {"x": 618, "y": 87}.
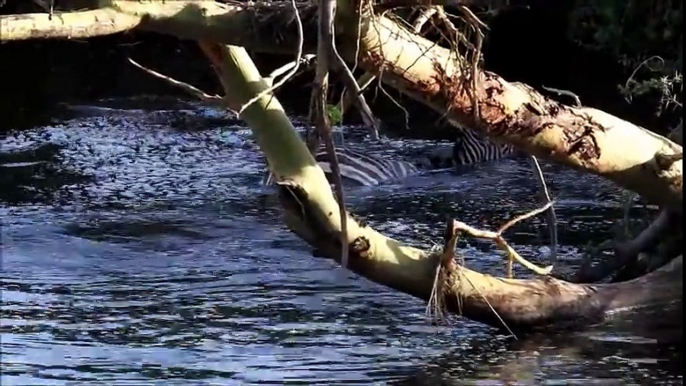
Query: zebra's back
{"x": 361, "y": 169}
{"x": 470, "y": 148}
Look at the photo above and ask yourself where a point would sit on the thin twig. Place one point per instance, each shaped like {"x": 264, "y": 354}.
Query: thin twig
{"x": 477, "y": 25}
{"x": 643, "y": 63}
{"x": 306, "y": 60}
{"x": 367, "y": 78}
{"x": 551, "y": 218}
{"x": 326, "y": 49}
{"x": 367, "y": 115}
{"x": 577, "y": 100}
{"x": 523, "y": 217}
{"x": 212, "y": 99}
{"x": 497, "y": 315}
{"x": 298, "y": 58}
{"x": 498, "y": 239}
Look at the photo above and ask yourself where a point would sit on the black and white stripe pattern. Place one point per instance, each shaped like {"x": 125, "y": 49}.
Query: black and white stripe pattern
{"x": 361, "y": 169}
{"x": 471, "y": 148}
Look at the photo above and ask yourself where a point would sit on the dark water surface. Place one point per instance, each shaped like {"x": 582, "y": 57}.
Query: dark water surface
{"x": 138, "y": 248}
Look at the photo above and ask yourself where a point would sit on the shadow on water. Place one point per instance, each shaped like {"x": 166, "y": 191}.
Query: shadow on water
{"x": 144, "y": 252}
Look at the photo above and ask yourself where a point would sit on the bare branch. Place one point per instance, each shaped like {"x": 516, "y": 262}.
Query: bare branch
{"x": 306, "y": 60}
{"x": 577, "y": 100}
{"x": 214, "y": 100}
{"x": 551, "y": 218}
{"x": 424, "y": 17}
{"x": 367, "y": 116}
{"x": 498, "y": 239}
{"x": 348, "y": 99}
{"x": 298, "y": 58}
{"x": 69, "y": 25}
{"x": 325, "y": 52}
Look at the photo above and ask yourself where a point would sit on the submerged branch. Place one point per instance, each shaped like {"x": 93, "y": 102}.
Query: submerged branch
{"x": 551, "y": 218}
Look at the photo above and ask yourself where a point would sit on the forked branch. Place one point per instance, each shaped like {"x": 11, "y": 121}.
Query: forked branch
{"x": 497, "y": 238}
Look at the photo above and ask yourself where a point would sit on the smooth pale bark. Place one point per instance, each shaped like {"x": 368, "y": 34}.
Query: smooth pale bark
{"x": 311, "y": 210}
{"x": 262, "y": 27}
{"x": 71, "y": 25}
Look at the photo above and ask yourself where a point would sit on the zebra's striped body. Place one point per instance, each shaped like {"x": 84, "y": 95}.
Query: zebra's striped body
{"x": 361, "y": 169}
{"x": 471, "y": 148}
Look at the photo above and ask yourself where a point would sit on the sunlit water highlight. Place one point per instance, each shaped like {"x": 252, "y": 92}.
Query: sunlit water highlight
{"x": 138, "y": 248}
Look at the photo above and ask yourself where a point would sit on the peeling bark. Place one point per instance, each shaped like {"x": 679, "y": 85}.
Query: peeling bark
{"x": 586, "y": 139}
{"x": 583, "y": 138}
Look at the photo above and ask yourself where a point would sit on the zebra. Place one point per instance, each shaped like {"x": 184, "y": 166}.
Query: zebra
{"x": 361, "y": 169}
{"x": 469, "y": 148}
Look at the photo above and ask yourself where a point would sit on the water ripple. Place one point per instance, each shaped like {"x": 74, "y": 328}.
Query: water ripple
{"x": 138, "y": 248}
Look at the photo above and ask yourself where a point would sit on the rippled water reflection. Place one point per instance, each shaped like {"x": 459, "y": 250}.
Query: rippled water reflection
{"x": 139, "y": 249}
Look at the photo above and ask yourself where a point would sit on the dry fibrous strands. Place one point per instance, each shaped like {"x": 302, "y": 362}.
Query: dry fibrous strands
{"x": 448, "y": 263}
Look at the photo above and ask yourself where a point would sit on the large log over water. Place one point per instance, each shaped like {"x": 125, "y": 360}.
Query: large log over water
{"x": 582, "y": 138}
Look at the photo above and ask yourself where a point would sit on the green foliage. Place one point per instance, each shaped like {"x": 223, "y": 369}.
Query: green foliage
{"x": 335, "y": 115}
{"x": 644, "y": 36}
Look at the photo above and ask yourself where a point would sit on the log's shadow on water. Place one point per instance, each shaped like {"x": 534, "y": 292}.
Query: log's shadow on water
{"x": 634, "y": 350}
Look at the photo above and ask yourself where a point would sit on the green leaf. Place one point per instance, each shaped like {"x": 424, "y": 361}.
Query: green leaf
{"x": 334, "y": 113}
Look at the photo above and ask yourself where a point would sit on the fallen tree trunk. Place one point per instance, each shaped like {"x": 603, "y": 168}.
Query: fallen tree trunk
{"x": 586, "y": 139}
{"x": 266, "y": 27}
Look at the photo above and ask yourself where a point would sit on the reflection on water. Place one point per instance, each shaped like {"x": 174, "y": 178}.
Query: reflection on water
{"x": 144, "y": 252}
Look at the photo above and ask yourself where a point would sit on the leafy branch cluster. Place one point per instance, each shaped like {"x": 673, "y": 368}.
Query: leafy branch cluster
{"x": 644, "y": 37}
